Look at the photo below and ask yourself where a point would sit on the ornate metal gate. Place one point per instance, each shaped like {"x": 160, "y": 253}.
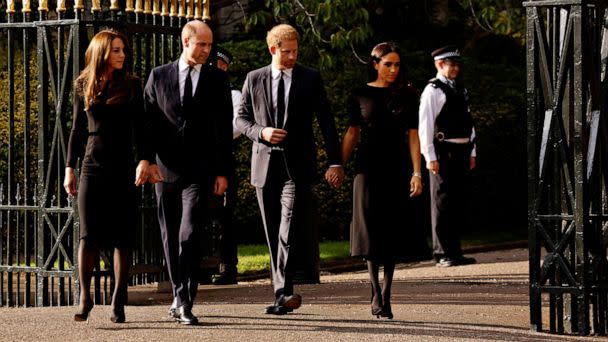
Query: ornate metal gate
{"x": 38, "y": 226}
{"x": 567, "y": 164}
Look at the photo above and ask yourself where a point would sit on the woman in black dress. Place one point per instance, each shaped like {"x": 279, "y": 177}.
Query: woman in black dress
{"x": 108, "y": 115}
{"x": 383, "y": 123}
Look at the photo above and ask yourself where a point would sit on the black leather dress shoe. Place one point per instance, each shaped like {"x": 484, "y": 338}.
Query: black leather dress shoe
{"x": 462, "y": 260}
{"x": 292, "y": 302}
{"x": 225, "y": 279}
{"x": 446, "y": 262}
{"x": 185, "y": 316}
{"x": 277, "y": 310}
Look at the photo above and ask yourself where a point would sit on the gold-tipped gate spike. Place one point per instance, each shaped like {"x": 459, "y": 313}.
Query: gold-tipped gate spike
{"x": 27, "y": 6}
{"x": 139, "y": 6}
{"x": 155, "y": 7}
{"x": 165, "y": 10}
{"x": 43, "y": 5}
{"x": 114, "y": 5}
{"x": 206, "y": 10}
{"x": 129, "y": 6}
{"x": 182, "y": 9}
{"x": 147, "y": 6}
{"x": 198, "y": 9}
{"x": 10, "y": 6}
{"x": 78, "y": 5}
{"x": 190, "y": 12}
{"x": 61, "y": 6}
{"x": 95, "y": 6}
{"x": 174, "y": 8}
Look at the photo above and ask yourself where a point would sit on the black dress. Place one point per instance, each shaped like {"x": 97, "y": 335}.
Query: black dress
{"x": 107, "y": 194}
{"x": 382, "y": 218}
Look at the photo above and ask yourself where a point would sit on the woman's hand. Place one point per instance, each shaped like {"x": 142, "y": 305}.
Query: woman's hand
{"x": 69, "y": 182}
{"x": 415, "y": 185}
{"x": 141, "y": 172}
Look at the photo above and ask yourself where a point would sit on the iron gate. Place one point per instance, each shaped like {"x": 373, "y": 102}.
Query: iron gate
{"x": 567, "y": 47}
{"x": 45, "y": 51}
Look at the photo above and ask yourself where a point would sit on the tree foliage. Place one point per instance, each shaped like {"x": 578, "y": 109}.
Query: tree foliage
{"x": 502, "y": 17}
{"x": 324, "y": 25}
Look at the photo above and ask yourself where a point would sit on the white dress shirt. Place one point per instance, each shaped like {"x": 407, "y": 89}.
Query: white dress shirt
{"x": 183, "y": 73}
{"x": 431, "y": 103}
{"x": 236, "y": 103}
{"x": 276, "y": 75}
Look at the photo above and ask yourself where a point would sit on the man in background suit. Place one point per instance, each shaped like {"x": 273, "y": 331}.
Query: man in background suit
{"x": 279, "y": 102}
{"x": 191, "y": 110}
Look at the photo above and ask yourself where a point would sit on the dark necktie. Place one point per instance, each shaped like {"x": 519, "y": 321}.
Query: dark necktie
{"x": 280, "y": 103}
{"x": 187, "y": 100}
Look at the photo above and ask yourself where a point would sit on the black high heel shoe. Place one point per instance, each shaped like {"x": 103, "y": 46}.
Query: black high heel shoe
{"x": 387, "y": 312}
{"x": 83, "y": 314}
{"x": 118, "y": 314}
{"x": 377, "y": 309}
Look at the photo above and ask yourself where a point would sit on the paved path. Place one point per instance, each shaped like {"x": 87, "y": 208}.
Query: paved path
{"x": 483, "y": 302}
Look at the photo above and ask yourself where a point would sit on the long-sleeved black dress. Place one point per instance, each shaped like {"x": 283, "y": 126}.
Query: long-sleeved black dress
{"x": 112, "y": 131}
{"x": 382, "y": 224}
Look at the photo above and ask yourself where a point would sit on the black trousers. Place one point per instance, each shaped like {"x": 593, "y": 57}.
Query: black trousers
{"x": 448, "y": 190}
{"x": 223, "y": 211}
{"x": 182, "y": 213}
{"x": 281, "y": 202}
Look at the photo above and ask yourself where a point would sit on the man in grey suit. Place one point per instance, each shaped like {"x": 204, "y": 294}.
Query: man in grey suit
{"x": 190, "y": 107}
{"x": 277, "y": 110}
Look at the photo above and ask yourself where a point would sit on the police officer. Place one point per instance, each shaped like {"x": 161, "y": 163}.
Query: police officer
{"x": 447, "y": 142}
{"x": 227, "y": 238}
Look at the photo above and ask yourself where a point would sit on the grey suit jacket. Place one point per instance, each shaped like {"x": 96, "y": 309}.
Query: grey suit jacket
{"x": 307, "y": 99}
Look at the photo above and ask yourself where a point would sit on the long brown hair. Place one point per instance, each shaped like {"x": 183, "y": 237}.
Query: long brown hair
{"x": 93, "y": 81}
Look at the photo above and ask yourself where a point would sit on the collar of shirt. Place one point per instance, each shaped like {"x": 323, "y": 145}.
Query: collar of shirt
{"x": 276, "y": 73}
{"x": 183, "y": 67}
{"x": 446, "y": 80}
{"x": 183, "y": 72}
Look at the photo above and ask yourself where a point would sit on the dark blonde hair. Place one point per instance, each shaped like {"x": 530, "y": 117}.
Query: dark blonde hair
{"x": 280, "y": 33}
{"x": 93, "y": 80}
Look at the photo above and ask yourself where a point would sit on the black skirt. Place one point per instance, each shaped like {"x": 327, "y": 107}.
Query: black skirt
{"x": 383, "y": 225}
{"x": 108, "y": 210}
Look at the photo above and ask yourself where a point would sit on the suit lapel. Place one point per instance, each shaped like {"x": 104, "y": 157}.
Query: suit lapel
{"x": 173, "y": 80}
{"x": 267, "y": 81}
{"x": 293, "y": 90}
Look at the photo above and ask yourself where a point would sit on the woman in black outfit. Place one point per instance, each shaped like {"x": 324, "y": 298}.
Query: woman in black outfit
{"x": 108, "y": 115}
{"x": 383, "y": 122}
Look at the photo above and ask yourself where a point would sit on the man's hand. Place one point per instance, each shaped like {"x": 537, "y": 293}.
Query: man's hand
{"x": 154, "y": 175}
{"x": 141, "y": 172}
{"x": 274, "y": 135}
{"x": 473, "y": 163}
{"x": 335, "y": 176}
{"x": 433, "y": 166}
{"x": 221, "y": 183}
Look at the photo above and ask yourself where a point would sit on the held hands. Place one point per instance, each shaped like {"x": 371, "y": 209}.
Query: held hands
{"x": 274, "y": 135}
{"x": 335, "y": 176}
{"x": 147, "y": 173}
{"x": 433, "y": 166}
{"x": 220, "y": 186}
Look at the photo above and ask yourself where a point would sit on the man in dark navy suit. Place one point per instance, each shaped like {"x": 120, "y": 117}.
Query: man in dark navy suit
{"x": 190, "y": 108}
{"x": 277, "y": 110}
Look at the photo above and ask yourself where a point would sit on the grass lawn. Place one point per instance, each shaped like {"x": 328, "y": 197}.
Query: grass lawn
{"x": 254, "y": 258}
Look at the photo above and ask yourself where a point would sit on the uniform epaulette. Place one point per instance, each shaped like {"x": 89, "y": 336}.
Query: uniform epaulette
{"x": 433, "y": 82}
